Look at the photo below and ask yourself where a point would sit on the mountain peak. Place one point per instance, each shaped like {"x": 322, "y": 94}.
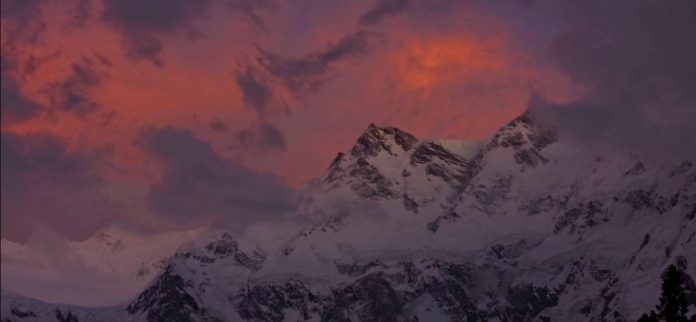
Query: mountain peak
{"x": 528, "y": 119}
{"x": 526, "y": 128}
{"x": 382, "y": 138}
{"x": 527, "y": 136}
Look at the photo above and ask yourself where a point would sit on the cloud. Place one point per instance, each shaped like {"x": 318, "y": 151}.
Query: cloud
{"x": 294, "y": 76}
{"x": 199, "y": 186}
{"x": 14, "y": 106}
{"x": 218, "y": 125}
{"x": 250, "y": 9}
{"x": 21, "y": 21}
{"x": 264, "y": 138}
{"x": 141, "y": 21}
{"x": 271, "y": 137}
{"x": 255, "y": 93}
{"x": 24, "y": 21}
{"x": 43, "y": 182}
{"x": 303, "y": 74}
{"x": 453, "y": 69}
{"x": 635, "y": 62}
{"x": 384, "y": 8}
{"x": 20, "y": 9}
{"x": 83, "y": 11}
{"x": 72, "y": 94}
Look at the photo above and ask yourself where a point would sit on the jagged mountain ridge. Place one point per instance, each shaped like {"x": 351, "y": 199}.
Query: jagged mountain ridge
{"x": 521, "y": 227}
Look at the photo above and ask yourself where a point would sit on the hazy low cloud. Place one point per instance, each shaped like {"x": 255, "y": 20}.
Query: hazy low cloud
{"x": 14, "y": 106}
{"x": 635, "y": 62}
{"x": 382, "y": 9}
{"x": 43, "y": 182}
{"x": 199, "y": 186}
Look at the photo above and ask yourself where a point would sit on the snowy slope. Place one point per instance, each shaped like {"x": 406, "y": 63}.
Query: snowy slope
{"x": 114, "y": 261}
{"x": 520, "y": 227}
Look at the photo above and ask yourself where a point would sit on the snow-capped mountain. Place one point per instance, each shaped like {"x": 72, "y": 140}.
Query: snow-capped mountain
{"x": 114, "y": 260}
{"x": 521, "y": 227}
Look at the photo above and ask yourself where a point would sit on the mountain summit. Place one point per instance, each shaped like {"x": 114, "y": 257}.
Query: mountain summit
{"x": 523, "y": 226}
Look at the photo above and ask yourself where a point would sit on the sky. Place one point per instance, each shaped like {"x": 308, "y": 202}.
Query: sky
{"x": 164, "y": 115}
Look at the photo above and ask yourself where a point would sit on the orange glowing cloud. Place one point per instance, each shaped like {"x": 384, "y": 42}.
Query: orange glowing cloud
{"x": 450, "y": 83}
{"x": 428, "y": 62}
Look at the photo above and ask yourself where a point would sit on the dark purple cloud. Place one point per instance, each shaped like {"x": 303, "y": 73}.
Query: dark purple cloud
{"x": 43, "y": 182}
{"x": 305, "y": 73}
{"x": 141, "y": 21}
{"x": 218, "y": 125}
{"x": 299, "y": 76}
{"x": 262, "y": 139}
{"x": 82, "y": 12}
{"x": 635, "y": 60}
{"x": 199, "y": 186}
{"x": 271, "y": 137}
{"x": 251, "y": 8}
{"x": 24, "y": 20}
{"x": 14, "y": 106}
{"x": 382, "y": 9}
{"x": 21, "y": 21}
{"x": 255, "y": 92}
{"x": 72, "y": 94}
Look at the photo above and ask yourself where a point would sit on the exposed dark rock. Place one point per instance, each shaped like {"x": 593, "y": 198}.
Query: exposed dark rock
{"x": 166, "y": 299}
{"x": 639, "y": 199}
{"x": 529, "y": 158}
{"x": 375, "y": 296}
{"x": 429, "y": 151}
{"x": 581, "y": 217}
{"x": 637, "y": 169}
{"x": 335, "y": 169}
{"x": 410, "y": 204}
{"x": 510, "y": 251}
{"x": 22, "y": 314}
{"x": 227, "y": 246}
{"x": 488, "y": 195}
{"x": 356, "y": 269}
{"x": 435, "y": 224}
{"x": 372, "y": 142}
{"x": 269, "y": 302}
{"x": 543, "y": 138}
{"x": 337, "y": 160}
{"x": 515, "y": 140}
{"x": 542, "y": 204}
{"x": 645, "y": 241}
{"x": 681, "y": 168}
{"x": 65, "y": 317}
{"x": 527, "y": 137}
{"x": 371, "y": 297}
{"x": 371, "y": 184}
{"x": 528, "y": 300}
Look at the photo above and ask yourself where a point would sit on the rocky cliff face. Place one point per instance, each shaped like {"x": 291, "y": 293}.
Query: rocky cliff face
{"x": 520, "y": 227}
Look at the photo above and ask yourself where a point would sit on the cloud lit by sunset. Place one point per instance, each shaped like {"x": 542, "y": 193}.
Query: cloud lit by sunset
{"x": 170, "y": 116}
